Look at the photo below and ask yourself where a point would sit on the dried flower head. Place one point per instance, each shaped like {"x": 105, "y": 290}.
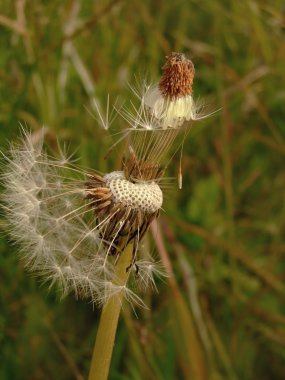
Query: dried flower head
{"x": 170, "y": 102}
{"x": 167, "y": 105}
{"x": 74, "y": 224}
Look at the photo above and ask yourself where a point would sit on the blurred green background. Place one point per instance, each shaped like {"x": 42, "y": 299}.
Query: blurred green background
{"x": 224, "y": 317}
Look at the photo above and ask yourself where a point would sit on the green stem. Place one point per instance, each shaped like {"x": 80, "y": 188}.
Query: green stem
{"x": 106, "y": 333}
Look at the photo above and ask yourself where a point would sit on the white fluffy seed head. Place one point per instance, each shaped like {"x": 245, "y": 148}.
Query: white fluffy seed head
{"x": 55, "y": 226}
{"x": 145, "y": 196}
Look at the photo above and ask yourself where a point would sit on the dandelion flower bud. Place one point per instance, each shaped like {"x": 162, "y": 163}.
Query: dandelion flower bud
{"x": 170, "y": 102}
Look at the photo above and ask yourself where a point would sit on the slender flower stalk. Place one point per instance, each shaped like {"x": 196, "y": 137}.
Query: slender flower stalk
{"x": 81, "y": 230}
{"x": 105, "y": 338}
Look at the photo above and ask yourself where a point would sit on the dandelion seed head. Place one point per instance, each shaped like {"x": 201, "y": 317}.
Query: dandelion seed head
{"x": 48, "y": 217}
{"x": 73, "y": 225}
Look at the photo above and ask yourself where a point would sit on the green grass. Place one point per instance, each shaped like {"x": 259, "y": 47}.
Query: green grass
{"x": 227, "y": 224}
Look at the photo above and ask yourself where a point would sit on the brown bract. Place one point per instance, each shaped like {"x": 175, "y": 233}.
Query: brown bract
{"x": 177, "y": 78}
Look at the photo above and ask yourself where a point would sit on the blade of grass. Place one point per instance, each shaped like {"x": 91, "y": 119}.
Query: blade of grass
{"x": 191, "y": 352}
{"x": 236, "y": 252}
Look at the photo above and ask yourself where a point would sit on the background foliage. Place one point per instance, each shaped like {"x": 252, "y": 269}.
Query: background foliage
{"x": 223, "y": 317}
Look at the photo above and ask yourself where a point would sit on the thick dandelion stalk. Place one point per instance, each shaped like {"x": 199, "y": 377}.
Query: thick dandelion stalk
{"x": 106, "y": 333}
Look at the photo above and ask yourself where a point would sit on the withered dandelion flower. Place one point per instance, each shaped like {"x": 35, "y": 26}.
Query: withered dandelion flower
{"x": 81, "y": 229}
{"x": 170, "y": 101}
{"x": 72, "y": 224}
